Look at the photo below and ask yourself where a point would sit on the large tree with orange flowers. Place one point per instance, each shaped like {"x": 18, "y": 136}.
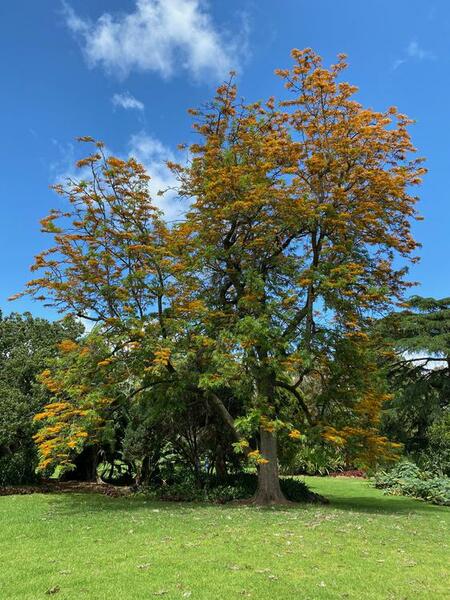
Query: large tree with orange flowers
{"x": 299, "y": 209}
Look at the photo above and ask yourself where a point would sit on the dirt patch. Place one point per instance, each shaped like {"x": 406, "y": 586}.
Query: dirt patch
{"x": 61, "y": 487}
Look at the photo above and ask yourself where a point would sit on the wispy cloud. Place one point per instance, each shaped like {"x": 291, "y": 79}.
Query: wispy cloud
{"x": 413, "y": 52}
{"x": 159, "y": 36}
{"x": 127, "y": 101}
{"x": 62, "y": 166}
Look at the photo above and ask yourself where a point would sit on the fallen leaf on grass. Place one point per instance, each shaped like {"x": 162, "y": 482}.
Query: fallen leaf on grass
{"x": 53, "y": 590}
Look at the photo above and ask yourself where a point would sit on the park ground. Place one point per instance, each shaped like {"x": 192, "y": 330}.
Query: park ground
{"x": 362, "y": 545}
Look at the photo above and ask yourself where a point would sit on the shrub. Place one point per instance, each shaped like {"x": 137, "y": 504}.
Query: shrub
{"x": 18, "y": 468}
{"x": 237, "y": 486}
{"x": 313, "y": 459}
{"x": 406, "y": 479}
{"x": 436, "y": 457}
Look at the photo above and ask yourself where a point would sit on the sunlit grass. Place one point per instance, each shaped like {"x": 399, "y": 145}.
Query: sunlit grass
{"x": 362, "y": 545}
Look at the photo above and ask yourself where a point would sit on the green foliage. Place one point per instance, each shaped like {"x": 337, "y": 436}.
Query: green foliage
{"x": 406, "y": 479}
{"x": 419, "y": 375}
{"x": 423, "y": 327}
{"x": 437, "y": 456}
{"x": 26, "y": 344}
{"x": 238, "y": 486}
{"x": 18, "y": 467}
{"x": 313, "y": 459}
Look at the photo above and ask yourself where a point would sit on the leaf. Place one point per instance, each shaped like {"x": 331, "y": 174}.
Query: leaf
{"x": 53, "y": 590}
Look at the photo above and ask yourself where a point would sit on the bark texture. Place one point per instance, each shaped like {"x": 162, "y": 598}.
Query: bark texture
{"x": 269, "y": 490}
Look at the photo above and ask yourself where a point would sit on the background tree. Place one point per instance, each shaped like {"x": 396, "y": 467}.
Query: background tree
{"x": 419, "y": 375}
{"x": 26, "y": 344}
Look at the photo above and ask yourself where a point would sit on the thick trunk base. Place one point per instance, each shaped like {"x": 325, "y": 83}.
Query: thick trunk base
{"x": 269, "y": 491}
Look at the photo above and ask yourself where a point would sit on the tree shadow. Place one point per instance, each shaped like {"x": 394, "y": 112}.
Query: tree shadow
{"x": 384, "y": 505}
{"x": 361, "y": 496}
{"x": 79, "y": 504}
{"x": 337, "y": 499}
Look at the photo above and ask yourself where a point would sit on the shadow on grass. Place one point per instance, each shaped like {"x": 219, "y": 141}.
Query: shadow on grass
{"x": 361, "y": 496}
{"x": 384, "y": 505}
{"x": 378, "y": 504}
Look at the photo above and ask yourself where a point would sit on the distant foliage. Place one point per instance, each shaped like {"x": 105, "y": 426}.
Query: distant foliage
{"x": 437, "y": 456}
{"x": 26, "y": 344}
{"x": 418, "y": 413}
{"x": 313, "y": 459}
{"x": 406, "y": 479}
{"x": 349, "y": 473}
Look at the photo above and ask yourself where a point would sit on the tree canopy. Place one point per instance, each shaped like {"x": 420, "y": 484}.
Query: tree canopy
{"x": 253, "y": 304}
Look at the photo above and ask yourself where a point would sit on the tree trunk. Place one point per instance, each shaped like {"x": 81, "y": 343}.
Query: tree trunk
{"x": 220, "y": 464}
{"x": 269, "y": 490}
{"x": 85, "y": 466}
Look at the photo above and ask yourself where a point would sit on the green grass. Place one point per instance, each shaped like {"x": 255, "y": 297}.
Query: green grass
{"x": 362, "y": 545}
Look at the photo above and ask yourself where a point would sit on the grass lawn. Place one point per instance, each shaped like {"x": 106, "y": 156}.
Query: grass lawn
{"x": 362, "y": 545}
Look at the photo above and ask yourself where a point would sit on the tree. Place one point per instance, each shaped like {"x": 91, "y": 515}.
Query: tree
{"x": 422, "y": 328}
{"x": 418, "y": 370}
{"x": 298, "y": 211}
{"x": 26, "y": 344}
{"x": 117, "y": 265}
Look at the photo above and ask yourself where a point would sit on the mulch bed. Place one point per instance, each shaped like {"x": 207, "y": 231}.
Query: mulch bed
{"x": 349, "y": 473}
{"x": 61, "y": 487}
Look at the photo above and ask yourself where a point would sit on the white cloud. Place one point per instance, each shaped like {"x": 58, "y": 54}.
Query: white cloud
{"x": 398, "y": 63}
{"x": 413, "y": 52}
{"x": 160, "y": 36}
{"x": 154, "y": 155}
{"x": 148, "y": 150}
{"x": 63, "y": 164}
{"x": 430, "y": 361}
{"x": 127, "y": 101}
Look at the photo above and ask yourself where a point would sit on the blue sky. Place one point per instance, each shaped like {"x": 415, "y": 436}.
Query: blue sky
{"x": 125, "y": 71}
